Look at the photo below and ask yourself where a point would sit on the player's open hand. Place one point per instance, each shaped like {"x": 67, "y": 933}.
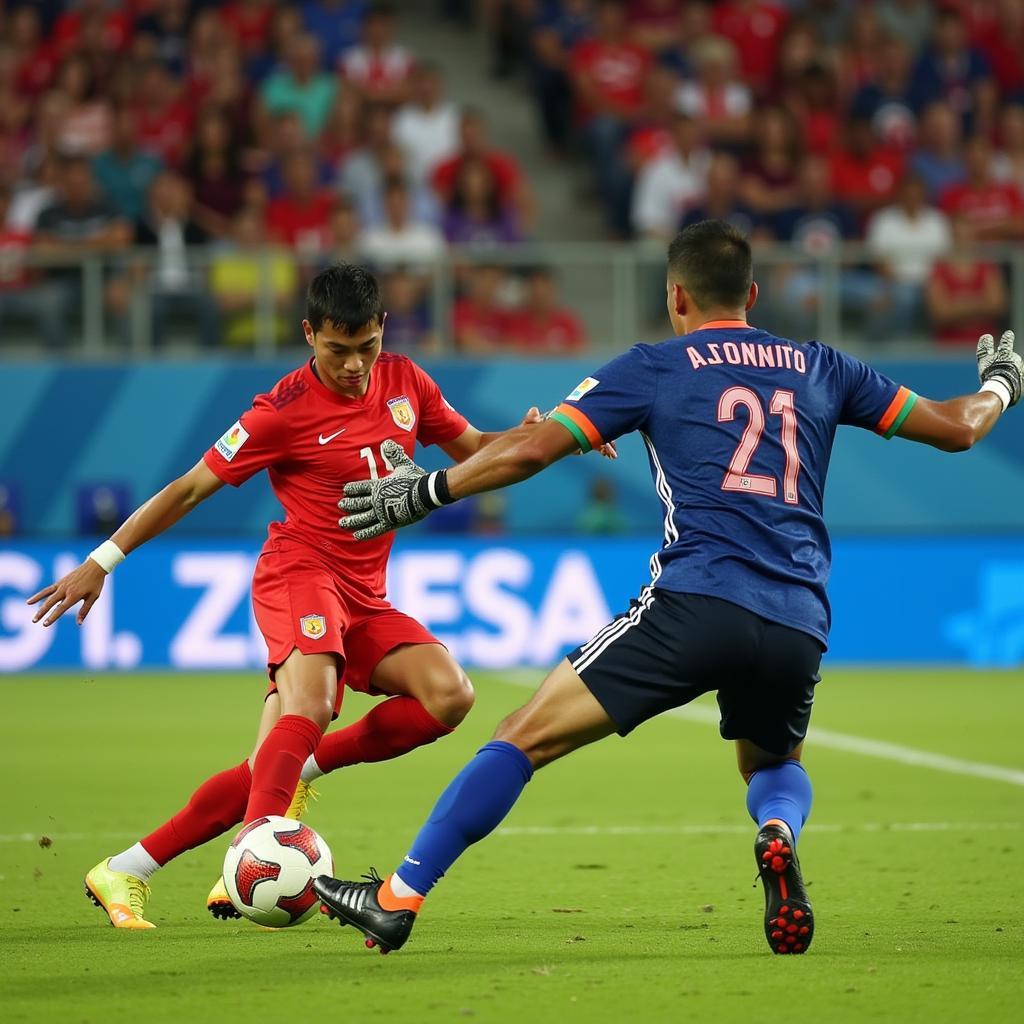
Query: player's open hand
{"x": 83, "y": 584}
{"x": 377, "y": 506}
{"x": 1000, "y": 364}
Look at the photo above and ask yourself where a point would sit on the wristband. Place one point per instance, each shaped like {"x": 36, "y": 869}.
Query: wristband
{"x": 107, "y": 556}
{"x": 433, "y": 489}
{"x": 1000, "y": 390}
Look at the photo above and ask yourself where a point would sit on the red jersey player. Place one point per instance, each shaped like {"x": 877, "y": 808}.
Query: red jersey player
{"x": 318, "y": 594}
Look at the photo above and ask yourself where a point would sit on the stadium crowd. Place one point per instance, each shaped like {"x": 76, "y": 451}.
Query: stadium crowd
{"x": 898, "y": 124}
{"x": 244, "y": 144}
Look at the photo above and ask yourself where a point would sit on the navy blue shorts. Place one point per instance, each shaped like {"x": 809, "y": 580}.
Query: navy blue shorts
{"x": 670, "y": 648}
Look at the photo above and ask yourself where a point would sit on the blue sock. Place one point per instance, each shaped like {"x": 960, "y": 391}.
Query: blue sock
{"x": 781, "y": 791}
{"x": 474, "y": 804}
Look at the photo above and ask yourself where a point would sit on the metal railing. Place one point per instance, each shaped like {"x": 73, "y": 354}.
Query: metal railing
{"x": 68, "y": 306}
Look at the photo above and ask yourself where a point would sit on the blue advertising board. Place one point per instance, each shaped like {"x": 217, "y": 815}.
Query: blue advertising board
{"x": 497, "y": 604}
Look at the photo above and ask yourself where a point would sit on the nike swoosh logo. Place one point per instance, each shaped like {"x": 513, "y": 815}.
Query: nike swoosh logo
{"x": 324, "y": 440}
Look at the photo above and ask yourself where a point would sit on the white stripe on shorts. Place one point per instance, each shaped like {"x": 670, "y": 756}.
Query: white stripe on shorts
{"x": 622, "y": 626}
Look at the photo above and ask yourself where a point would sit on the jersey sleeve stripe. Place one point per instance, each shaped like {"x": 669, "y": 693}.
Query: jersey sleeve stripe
{"x": 591, "y": 436}
{"x": 898, "y": 410}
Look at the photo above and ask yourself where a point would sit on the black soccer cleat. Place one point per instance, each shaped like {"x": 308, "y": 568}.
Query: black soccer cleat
{"x": 788, "y": 918}
{"x": 356, "y": 903}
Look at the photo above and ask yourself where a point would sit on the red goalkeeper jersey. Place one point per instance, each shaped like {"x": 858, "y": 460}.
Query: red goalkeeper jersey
{"x": 312, "y": 440}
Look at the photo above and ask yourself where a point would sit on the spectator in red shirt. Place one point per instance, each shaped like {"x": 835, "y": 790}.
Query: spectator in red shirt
{"x": 654, "y": 24}
{"x": 378, "y": 67}
{"x": 248, "y": 21}
{"x": 117, "y": 25}
{"x": 164, "y": 113}
{"x": 300, "y": 216}
{"x": 966, "y": 297}
{"x": 994, "y": 209}
{"x": 38, "y": 56}
{"x": 541, "y": 326}
{"x": 608, "y": 73}
{"x": 864, "y": 172}
{"x": 513, "y": 191}
{"x": 815, "y": 105}
{"x": 1001, "y": 39}
{"x": 479, "y": 321}
{"x": 754, "y": 27}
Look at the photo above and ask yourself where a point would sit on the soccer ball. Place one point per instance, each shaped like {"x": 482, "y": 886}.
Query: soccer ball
{"x": 269, "y": 871}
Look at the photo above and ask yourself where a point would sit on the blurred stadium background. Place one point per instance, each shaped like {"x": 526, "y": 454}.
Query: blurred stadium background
{"x": 172, "y": 173}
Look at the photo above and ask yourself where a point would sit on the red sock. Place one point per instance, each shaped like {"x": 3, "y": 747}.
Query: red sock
{"x": 213, "y": 808}
{"x": 393, "y": 728}
{"x": 278, "y": 764}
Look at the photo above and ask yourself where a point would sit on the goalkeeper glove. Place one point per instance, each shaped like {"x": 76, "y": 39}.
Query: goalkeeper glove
{"x": 405, "y": 497}
{"x": 1000, "y": 368}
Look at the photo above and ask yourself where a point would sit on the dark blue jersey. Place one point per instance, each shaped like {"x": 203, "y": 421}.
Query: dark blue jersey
{"x": 739, "y": 426}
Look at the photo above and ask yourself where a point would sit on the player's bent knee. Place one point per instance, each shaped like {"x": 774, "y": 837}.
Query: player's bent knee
{"x": 317, "y": 710}
{"x": 449, "y": 695}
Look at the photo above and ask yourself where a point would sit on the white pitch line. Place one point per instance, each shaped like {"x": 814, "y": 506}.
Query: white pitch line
{"x": 885, "y": 751}
{"x": 714, "y": 830}
{"x": 624, "y": 830}
{"x": 867, "y": 747}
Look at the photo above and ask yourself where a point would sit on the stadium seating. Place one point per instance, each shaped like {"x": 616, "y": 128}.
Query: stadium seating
{"x": 158, "y": 157}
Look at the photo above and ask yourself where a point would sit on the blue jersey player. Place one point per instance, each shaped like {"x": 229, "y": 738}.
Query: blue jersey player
{"x": 739, "y": 426}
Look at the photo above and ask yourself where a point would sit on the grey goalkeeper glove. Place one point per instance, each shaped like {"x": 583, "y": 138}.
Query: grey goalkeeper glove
{"x": 405, "y": 497}
{"x": 1000, "y": 368}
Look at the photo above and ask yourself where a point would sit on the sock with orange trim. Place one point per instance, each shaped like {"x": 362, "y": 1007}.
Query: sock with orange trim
{"x": 394, "y": 894}
{"x": 783, "y": 792}
{"x": 474, "y": 804}
{"x": 390, "y": 729}
{"x": 278, "y": 764}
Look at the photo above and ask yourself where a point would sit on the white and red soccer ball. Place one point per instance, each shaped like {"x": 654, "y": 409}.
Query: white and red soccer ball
{"x": 269, "y": 870}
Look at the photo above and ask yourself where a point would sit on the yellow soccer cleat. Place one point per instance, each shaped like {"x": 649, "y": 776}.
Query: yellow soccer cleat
{"x": 218, "y": 903}
{"x": 304, "y": 793}
{"x": 121, "y": 895}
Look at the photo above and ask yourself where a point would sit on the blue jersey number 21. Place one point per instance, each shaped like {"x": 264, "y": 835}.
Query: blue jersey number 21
{"x": 736, "y": 476}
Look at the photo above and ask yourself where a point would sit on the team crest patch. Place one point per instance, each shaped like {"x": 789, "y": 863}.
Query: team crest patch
{"x": 233, "y": 439}
{"x": 585, "y": 385}
{"x": 313, "y": 626}
{"x": 401, "y": 412}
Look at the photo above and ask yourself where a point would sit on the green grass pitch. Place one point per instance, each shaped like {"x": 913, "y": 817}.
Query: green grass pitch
{"x": 620, "y": 890}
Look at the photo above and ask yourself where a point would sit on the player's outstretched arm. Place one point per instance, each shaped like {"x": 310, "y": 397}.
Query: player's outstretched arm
{"x": 85, "y": 583}
{"x": 959, "y": 423}
{"x": 471, "y": 440}
{"x": 409, "y": 494}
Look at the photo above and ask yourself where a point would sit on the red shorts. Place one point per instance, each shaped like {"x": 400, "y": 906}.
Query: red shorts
{"x": 301, "y": 604}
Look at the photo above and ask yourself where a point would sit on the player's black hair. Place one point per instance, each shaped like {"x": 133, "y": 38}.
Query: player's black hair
{"x": 712, "y": 261}
{"x": 346, "y": 296}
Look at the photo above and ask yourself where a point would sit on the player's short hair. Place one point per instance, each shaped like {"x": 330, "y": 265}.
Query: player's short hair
{"x": 345, "y": 295}
{"x": 712, "y": 261}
